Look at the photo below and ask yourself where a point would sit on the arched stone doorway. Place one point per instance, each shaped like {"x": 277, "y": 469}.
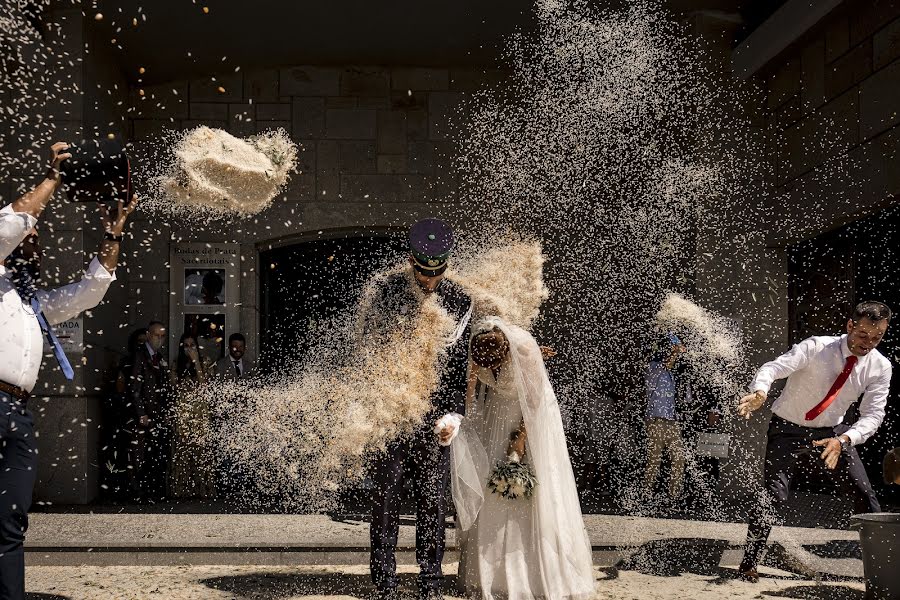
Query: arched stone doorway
{"x": 313, "y": 280}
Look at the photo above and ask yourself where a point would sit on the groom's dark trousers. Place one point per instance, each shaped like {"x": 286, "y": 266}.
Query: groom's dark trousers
{"x": 426, "y": 465}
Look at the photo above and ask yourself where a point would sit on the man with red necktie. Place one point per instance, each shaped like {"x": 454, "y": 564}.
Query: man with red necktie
{"x": 825, "y": 375}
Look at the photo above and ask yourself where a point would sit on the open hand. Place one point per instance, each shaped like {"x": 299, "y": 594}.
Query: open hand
{"x": 831, "y": 452}
{"x": 750, "y": 403}
{"x": 115, "y": 224}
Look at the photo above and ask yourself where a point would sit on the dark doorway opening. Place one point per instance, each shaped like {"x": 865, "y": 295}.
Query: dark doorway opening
{"x": 307, "y": 284}
{"x": 828, "y": 275}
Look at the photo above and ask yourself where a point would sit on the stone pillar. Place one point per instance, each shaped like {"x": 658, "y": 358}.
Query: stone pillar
{"x": 738, "y": 275}
{"x": 67, "y": 414}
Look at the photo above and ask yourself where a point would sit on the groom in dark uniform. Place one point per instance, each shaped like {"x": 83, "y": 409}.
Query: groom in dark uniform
{"x": 424, "y": 456}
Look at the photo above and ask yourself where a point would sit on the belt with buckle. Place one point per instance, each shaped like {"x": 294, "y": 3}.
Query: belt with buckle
{"x": 14, "y": 391}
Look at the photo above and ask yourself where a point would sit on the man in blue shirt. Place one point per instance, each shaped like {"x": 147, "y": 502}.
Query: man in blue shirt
{"x": 664, "y": 390}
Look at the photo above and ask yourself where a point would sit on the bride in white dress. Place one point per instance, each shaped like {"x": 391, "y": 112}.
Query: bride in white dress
{"x": 526, "y": 548}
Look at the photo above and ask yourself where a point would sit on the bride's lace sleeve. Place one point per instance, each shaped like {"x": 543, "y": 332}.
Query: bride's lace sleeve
{"x": 485, "y": 376}
{"x": 532, "y": 371}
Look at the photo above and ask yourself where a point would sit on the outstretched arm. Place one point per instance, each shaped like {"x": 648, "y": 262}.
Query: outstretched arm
{"x": 67, "y": 301}
{"x": 17, "y": 219}
{"x": 114, "y": 227}
{"x": 794, "y": 360}
{"x": 34, "y": 202}
{"x": 871, "y": 410}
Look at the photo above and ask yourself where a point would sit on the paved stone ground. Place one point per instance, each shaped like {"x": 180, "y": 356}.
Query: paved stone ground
{"x": 345, "y": 582}
{"x": 281, "y": 557}
{"x": 54, "y": 530}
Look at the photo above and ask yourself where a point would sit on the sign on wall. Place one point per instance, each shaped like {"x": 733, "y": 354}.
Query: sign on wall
{"x": 70, "y": 334}
{"x": 205, "y": 286}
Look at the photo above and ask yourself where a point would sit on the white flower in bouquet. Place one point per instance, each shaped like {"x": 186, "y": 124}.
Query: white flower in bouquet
{"x": 512, "y": 478}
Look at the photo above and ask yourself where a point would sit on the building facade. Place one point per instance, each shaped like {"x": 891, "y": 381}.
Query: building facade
{"x": 376, "y": 155}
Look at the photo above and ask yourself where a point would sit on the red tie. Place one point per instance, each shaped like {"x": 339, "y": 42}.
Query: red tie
{"x": 819, "y": 408}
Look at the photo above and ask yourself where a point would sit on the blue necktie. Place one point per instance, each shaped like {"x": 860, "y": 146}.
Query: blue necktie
{"x": 54, "y": 341}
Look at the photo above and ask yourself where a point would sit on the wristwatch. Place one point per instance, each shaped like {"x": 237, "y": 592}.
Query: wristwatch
{"x": 109, "y": 235}
{"x": 845, "y": 444}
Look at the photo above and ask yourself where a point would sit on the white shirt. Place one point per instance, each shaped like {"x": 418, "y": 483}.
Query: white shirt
{"x": 811, "y": 367}
{"x": 21, "y": 339}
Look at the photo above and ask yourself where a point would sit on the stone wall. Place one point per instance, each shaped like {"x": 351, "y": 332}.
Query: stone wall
{"x": 825, "y": 122}
{"x": 375, "y": 153}
{"x": 833, "y": 99}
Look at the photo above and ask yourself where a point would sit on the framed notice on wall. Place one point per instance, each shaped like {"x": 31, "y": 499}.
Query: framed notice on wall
{"x": 70, "y": 335}
{"x": 206, "y": 293}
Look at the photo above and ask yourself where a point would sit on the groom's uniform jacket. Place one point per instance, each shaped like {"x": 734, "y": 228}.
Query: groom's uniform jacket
{"x": 396, "y": 302}
{"x": 394, "y": 305}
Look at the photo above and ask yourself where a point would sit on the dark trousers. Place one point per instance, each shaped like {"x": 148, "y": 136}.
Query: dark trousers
{"x": 152, "y": 455}
{"x": 789, "y": 453}
{"x": 18, "y": 471}
{"x": 427, "y": 464}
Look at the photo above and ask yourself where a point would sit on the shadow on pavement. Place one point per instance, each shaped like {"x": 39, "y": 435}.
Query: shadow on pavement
{"x": 672, "y": 557}
{"x": 42, "y": 596}
{"x": 274, "y": 586}
{"x": 836, "y": 549}
{"x": 819, "y": 592}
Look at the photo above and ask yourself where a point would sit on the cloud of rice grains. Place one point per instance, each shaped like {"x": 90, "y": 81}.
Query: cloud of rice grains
{"x": 214, "y": 171}
{"x": 310, "y": 433}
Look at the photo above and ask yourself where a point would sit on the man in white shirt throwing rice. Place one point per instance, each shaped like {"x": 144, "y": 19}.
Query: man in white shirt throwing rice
{"x": 27, "y": 313}
{"x": 825, "y": 375}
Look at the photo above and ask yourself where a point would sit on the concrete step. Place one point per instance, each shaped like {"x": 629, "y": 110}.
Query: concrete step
{"x": 213, "y": 539}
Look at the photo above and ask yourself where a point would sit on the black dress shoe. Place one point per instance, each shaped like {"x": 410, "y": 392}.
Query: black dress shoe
{"x": 748, "y": 574}
{"x": 431, "y": 594}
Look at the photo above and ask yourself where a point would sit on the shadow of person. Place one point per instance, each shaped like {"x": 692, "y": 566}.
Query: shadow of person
{"x": 286, "y": 585}
{"x": 836, "y": 549}
{"x": 672, "y": 557}
{"x": 43, "y": 596}
{"x": 275, "y": 586}
{"x": 819, "y": 592}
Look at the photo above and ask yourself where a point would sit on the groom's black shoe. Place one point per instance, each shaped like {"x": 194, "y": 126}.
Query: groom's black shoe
{"x": 391, "y": 594}
{"x": 431, "y": 594}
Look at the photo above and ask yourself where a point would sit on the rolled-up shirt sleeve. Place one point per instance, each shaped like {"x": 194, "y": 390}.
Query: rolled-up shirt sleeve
{"x": 13, "y": 229}
{"x": 66, "y": 302}
{"x": 871, "y": 409}
{"x": 793, "y": 360}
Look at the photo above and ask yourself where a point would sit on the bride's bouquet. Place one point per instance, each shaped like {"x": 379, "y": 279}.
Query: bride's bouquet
{"x": 512, "y": 479}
